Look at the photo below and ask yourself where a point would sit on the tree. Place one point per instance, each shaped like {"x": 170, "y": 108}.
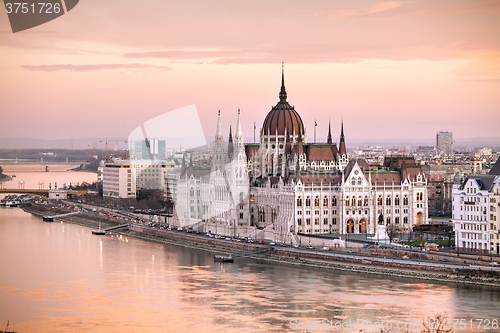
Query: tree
{"x": 392, "y": 231}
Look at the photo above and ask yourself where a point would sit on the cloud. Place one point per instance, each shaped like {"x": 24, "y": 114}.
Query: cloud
{"x": 93, "y": 68}
{"x": 363, "y": 10}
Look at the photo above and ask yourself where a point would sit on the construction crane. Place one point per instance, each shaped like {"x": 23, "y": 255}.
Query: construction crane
{"x": 95, "y": 145}
{"x": 110, "y": 140}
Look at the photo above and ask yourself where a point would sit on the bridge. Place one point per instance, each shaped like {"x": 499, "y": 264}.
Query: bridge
{"x": 116, "y": 227}
{"x": 41, "y": 162}
{"x": 38, "y": 193}
{"x": 51, "y": 218}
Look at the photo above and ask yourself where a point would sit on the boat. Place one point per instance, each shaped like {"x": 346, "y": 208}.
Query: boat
{"x": 100, "y": 231}
{"x": 223, "y": 258}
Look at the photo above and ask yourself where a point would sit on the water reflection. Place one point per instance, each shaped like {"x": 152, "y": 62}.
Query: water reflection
{"x": 59, "y": 277}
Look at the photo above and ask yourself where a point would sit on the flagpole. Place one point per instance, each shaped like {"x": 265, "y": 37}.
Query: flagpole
{"x": 254, "y": 132}
{"x": 315, "y": 124}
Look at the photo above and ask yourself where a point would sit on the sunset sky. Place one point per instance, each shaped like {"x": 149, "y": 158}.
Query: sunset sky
{"x": 390, "y": 69}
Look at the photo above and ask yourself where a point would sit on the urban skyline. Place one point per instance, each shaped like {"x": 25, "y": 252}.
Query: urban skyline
{"x": 407, "y": 70}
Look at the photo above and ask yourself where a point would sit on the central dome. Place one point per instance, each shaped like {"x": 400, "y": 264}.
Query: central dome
{"x": 283, "y": 117}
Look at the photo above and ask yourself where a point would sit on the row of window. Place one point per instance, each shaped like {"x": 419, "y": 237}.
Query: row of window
{"x": 316, "y": 221}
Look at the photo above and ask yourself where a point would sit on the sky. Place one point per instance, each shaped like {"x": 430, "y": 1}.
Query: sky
{"x": 389, "y": 69}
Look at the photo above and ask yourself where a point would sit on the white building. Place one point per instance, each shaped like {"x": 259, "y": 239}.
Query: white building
{"x": 284, "y": 186}
{"x": 475, "y": 214}
{"x": 118, "y": 180}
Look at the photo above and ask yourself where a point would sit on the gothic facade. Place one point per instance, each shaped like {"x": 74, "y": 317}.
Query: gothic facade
{"x": 284, "y": 186}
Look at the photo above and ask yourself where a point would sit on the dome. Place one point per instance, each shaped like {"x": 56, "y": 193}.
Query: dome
{"x": 283, "y": 117}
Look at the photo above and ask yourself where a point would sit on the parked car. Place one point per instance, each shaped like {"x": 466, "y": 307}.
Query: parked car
{"x": 272, "y": 243}
{"x": 326, "y": 248}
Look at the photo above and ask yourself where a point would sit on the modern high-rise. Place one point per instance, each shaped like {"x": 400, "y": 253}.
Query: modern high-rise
{"x": 149, "y": 149}
{"x": 444, "y": 142}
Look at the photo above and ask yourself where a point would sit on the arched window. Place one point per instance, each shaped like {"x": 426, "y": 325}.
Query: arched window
{"x": 299, "y": 202}
{"x": 308, "y": 202}
{"x": 325, "y": 201}
{"x": 379, "y": 200}
{"x": 396, "y": 200}
{"x": 365, "y": 201}
{"x": 347, "y": 201}
{"x": 359, "y": 181}
{"x": 316, "y": 201}
{"x": 405, "y": 200}
{"x": 354, "y": 201}
{"x": 388, "y": 201}
{"x": 334, "y": 201}
{"x": 360, "y": 203}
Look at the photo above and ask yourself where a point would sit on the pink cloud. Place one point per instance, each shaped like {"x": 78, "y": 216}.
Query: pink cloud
{"x": 92, "y": 68}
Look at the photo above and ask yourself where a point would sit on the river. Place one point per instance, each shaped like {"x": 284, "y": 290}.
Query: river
{"x": 58, "y": 277}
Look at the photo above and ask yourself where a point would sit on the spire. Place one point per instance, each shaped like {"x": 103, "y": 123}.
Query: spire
{"x": 342, "y": 150}
{"x": 329, "y": 139}
{"x": 219, "y": 129}
{"x": 239, "y": 132}
{"x": 230, "y": 144}
{"x": 283, "y": 91}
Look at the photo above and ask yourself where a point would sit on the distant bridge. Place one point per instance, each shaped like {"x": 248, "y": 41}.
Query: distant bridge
{"x": 39, "y": 193}
{"x": 36, "y": 162}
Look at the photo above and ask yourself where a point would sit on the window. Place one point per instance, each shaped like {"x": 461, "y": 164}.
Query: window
{"x": 308, "y": 202}
{"x": 299, "y": 221}
{"x": 365, "y": 201}
{"x": 347, "y": 201}
{"x": 316, "y": 221}
{"x": 360, "y": 202}
{"x": 388, "y": 201}
{"x": 325, "y": 201}
{"x": 359, "y": 181}
{"x": 396, "y": 200}
{"x": 299, "y": 202}
{"x": 316, "y": 201}
{"x": 405, "y": 200}
{"x": 334, "y": 201}
{"x": 308, "y": 221}
{"x": 405, "y": 219}
{"x": 379, "y": 201}
{"x": 241, "y": 215}
{"x": 325, "y": 221}
{"x": 334, "y": 220}
{"x": 396, "y": 220}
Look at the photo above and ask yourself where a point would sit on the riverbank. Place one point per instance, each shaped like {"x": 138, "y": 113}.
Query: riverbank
{"x": 282, "y": 256}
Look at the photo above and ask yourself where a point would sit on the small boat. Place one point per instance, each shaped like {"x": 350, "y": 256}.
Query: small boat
{"x": 223, "y": 258}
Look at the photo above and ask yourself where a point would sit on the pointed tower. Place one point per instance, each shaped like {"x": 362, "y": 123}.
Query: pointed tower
{"x": 329, "y": 138}
{"x": 342, "y": 150}
{"x": 230, "y": 144}
{"x": 239, "y": 145}
{"x": 342, "y": 159}
{"x": 219, "y": 157}
{"x": 283, "y": 91}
